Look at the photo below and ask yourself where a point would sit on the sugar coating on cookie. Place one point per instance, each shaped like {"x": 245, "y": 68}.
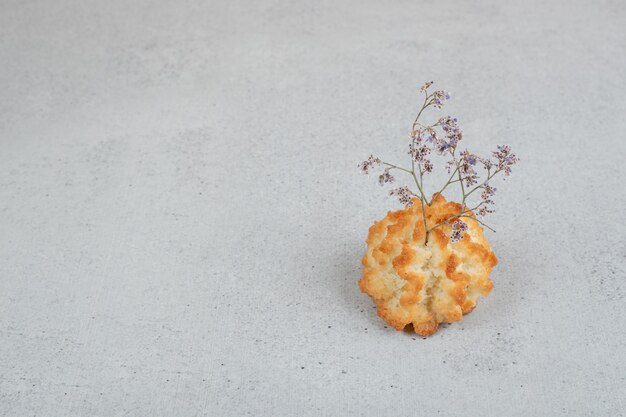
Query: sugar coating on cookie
{"x": 425, "y": 284}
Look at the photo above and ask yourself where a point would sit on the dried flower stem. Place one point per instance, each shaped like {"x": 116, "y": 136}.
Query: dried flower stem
{"x": 462, "y": 187}
{"x": 460, "y": 214}
{"x": 450, "y": 181}
{"x": 424, "y": 105}
{"x": 422, "y": 198}
{"x": 396, "y": 167}
{"x": 481, "y": 222}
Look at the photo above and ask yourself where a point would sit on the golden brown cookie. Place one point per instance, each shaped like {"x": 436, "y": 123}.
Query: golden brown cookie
{"x": 425, "y": 284}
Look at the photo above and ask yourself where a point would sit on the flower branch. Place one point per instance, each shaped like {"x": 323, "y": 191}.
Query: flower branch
{"x": 442, "y": 138}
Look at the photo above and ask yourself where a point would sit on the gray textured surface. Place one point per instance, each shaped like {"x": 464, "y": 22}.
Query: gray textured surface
{"x": 182, "y": 221}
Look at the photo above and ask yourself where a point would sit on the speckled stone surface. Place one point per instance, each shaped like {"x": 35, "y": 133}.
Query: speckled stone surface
{"x": 182, "y": 220}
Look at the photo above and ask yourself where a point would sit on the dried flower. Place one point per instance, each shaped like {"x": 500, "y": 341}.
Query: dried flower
{"x": 453, "y": 133}
{"x": 404, "y": 195}
{"x": 486, "y": 163}
{"x": 466, "y": 168}
{"x": 458, "y": 227}
{"x": 488, "y": 192}
{"x": 442, "y": 147}
{"x": 439, "y": 97}
{"x": 506, "y": 159}
{"x": 425, "y": 86}
{"x": 418, "y": 153}
{"x": 369, "y": 163}
{"x": 443, "y": 137}
{"x": 386, "y": 177}
{"x": 432, "y": 136}
{"x": 487, "y": 202}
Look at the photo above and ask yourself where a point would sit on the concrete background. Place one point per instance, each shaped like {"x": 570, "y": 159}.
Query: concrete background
{"x": 182, "y": 220}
